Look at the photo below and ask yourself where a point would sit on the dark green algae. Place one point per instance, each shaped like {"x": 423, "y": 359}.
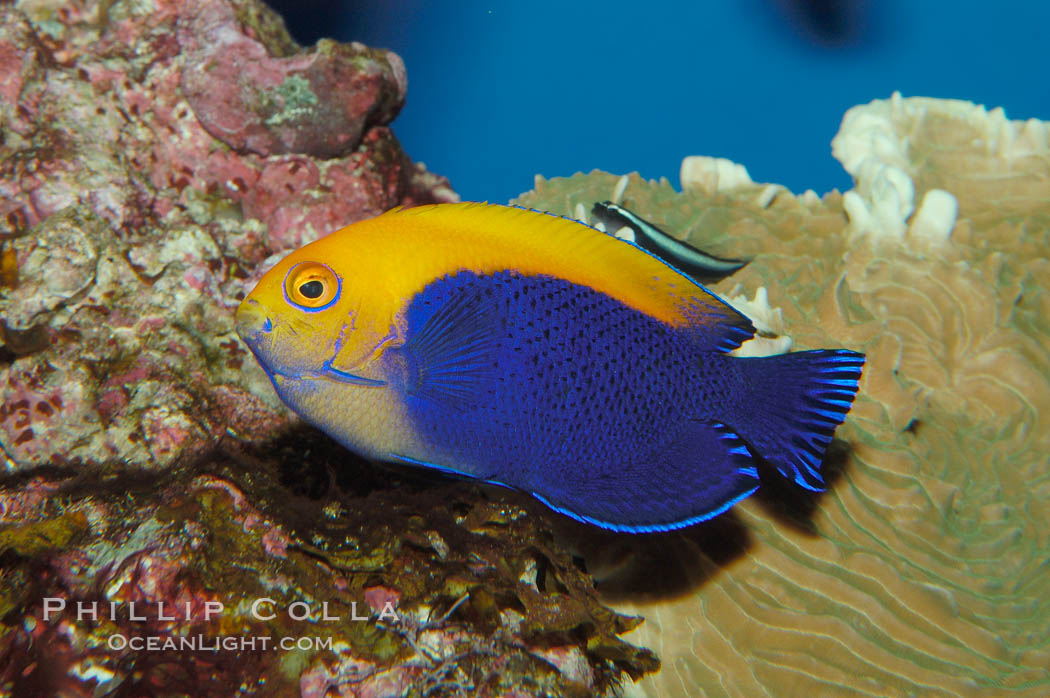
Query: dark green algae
{"x": 299, "y": 519}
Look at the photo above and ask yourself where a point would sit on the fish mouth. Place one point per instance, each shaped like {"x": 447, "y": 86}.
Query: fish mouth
{"x": 251, "y": 321}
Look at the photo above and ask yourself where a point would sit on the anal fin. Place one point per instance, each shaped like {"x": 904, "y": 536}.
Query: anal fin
{"x": 703, "y": 471}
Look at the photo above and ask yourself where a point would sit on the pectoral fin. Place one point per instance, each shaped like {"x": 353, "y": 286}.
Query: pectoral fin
{"x": 451, "y": 345}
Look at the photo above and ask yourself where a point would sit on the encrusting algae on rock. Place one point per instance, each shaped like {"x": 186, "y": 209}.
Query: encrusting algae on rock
{"x": 921, "y": 571}
{"x": 131, "y": 216}
{"x": 184, "y": 584}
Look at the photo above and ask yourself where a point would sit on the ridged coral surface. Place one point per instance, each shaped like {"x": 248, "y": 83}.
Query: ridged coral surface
{"x": 923, "y": 570}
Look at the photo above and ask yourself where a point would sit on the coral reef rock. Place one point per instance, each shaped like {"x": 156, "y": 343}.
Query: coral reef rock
{"x": 153, "y": 154}
{"x": 923, "y": 569}
{"x": 263, "y": 578}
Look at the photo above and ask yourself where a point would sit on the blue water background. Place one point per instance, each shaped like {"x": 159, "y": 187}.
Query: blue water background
{"x": 501, "y": 90}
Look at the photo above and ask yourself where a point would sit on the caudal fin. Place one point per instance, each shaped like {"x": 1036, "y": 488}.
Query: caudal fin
{"x": 792, "y": 406}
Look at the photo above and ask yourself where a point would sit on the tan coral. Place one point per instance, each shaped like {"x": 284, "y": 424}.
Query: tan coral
{"x": 922, "y": 570}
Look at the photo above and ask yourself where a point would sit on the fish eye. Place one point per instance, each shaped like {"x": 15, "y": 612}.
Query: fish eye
{"x": 311, "y": 286}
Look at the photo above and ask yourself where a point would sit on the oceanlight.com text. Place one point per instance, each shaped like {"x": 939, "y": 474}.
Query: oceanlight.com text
{"x": 228, "y": 643}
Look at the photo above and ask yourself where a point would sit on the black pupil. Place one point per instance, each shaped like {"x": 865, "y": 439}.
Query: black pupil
{"x": 312, "y": 289}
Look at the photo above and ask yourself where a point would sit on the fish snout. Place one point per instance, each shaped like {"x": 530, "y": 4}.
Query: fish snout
{"x": 251, "y": 320}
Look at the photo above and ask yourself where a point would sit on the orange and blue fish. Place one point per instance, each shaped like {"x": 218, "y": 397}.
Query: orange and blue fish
{"x": 532, "y": 351}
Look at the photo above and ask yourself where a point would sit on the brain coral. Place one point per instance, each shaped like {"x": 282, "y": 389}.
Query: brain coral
{"x": 924, "y": 568}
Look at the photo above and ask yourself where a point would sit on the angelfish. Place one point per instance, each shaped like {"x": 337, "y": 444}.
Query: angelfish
{"x": 535, "y": 352}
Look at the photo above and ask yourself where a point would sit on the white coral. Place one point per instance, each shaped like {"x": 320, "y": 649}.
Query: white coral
{"x": 712, "y": 174}
{"x": 769, "y": 321}
{"x": 874, "y": 144}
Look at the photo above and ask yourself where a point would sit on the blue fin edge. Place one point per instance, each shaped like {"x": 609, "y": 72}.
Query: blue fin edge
{"x": 398, "y": 458}
{"x": 648, "y": 528}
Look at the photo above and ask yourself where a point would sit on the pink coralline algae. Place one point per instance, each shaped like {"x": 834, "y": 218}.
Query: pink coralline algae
{"x": 153, "y": 155}
{"x": 317, "y": 103}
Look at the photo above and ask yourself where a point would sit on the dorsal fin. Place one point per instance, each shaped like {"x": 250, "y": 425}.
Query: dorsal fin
{"x": 404, "y": 249}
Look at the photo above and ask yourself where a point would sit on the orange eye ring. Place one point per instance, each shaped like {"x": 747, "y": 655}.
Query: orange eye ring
{"x": 311, "y": 286}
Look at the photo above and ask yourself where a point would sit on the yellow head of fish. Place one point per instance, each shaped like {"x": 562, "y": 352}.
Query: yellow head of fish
{"x": 318, "y": 322}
